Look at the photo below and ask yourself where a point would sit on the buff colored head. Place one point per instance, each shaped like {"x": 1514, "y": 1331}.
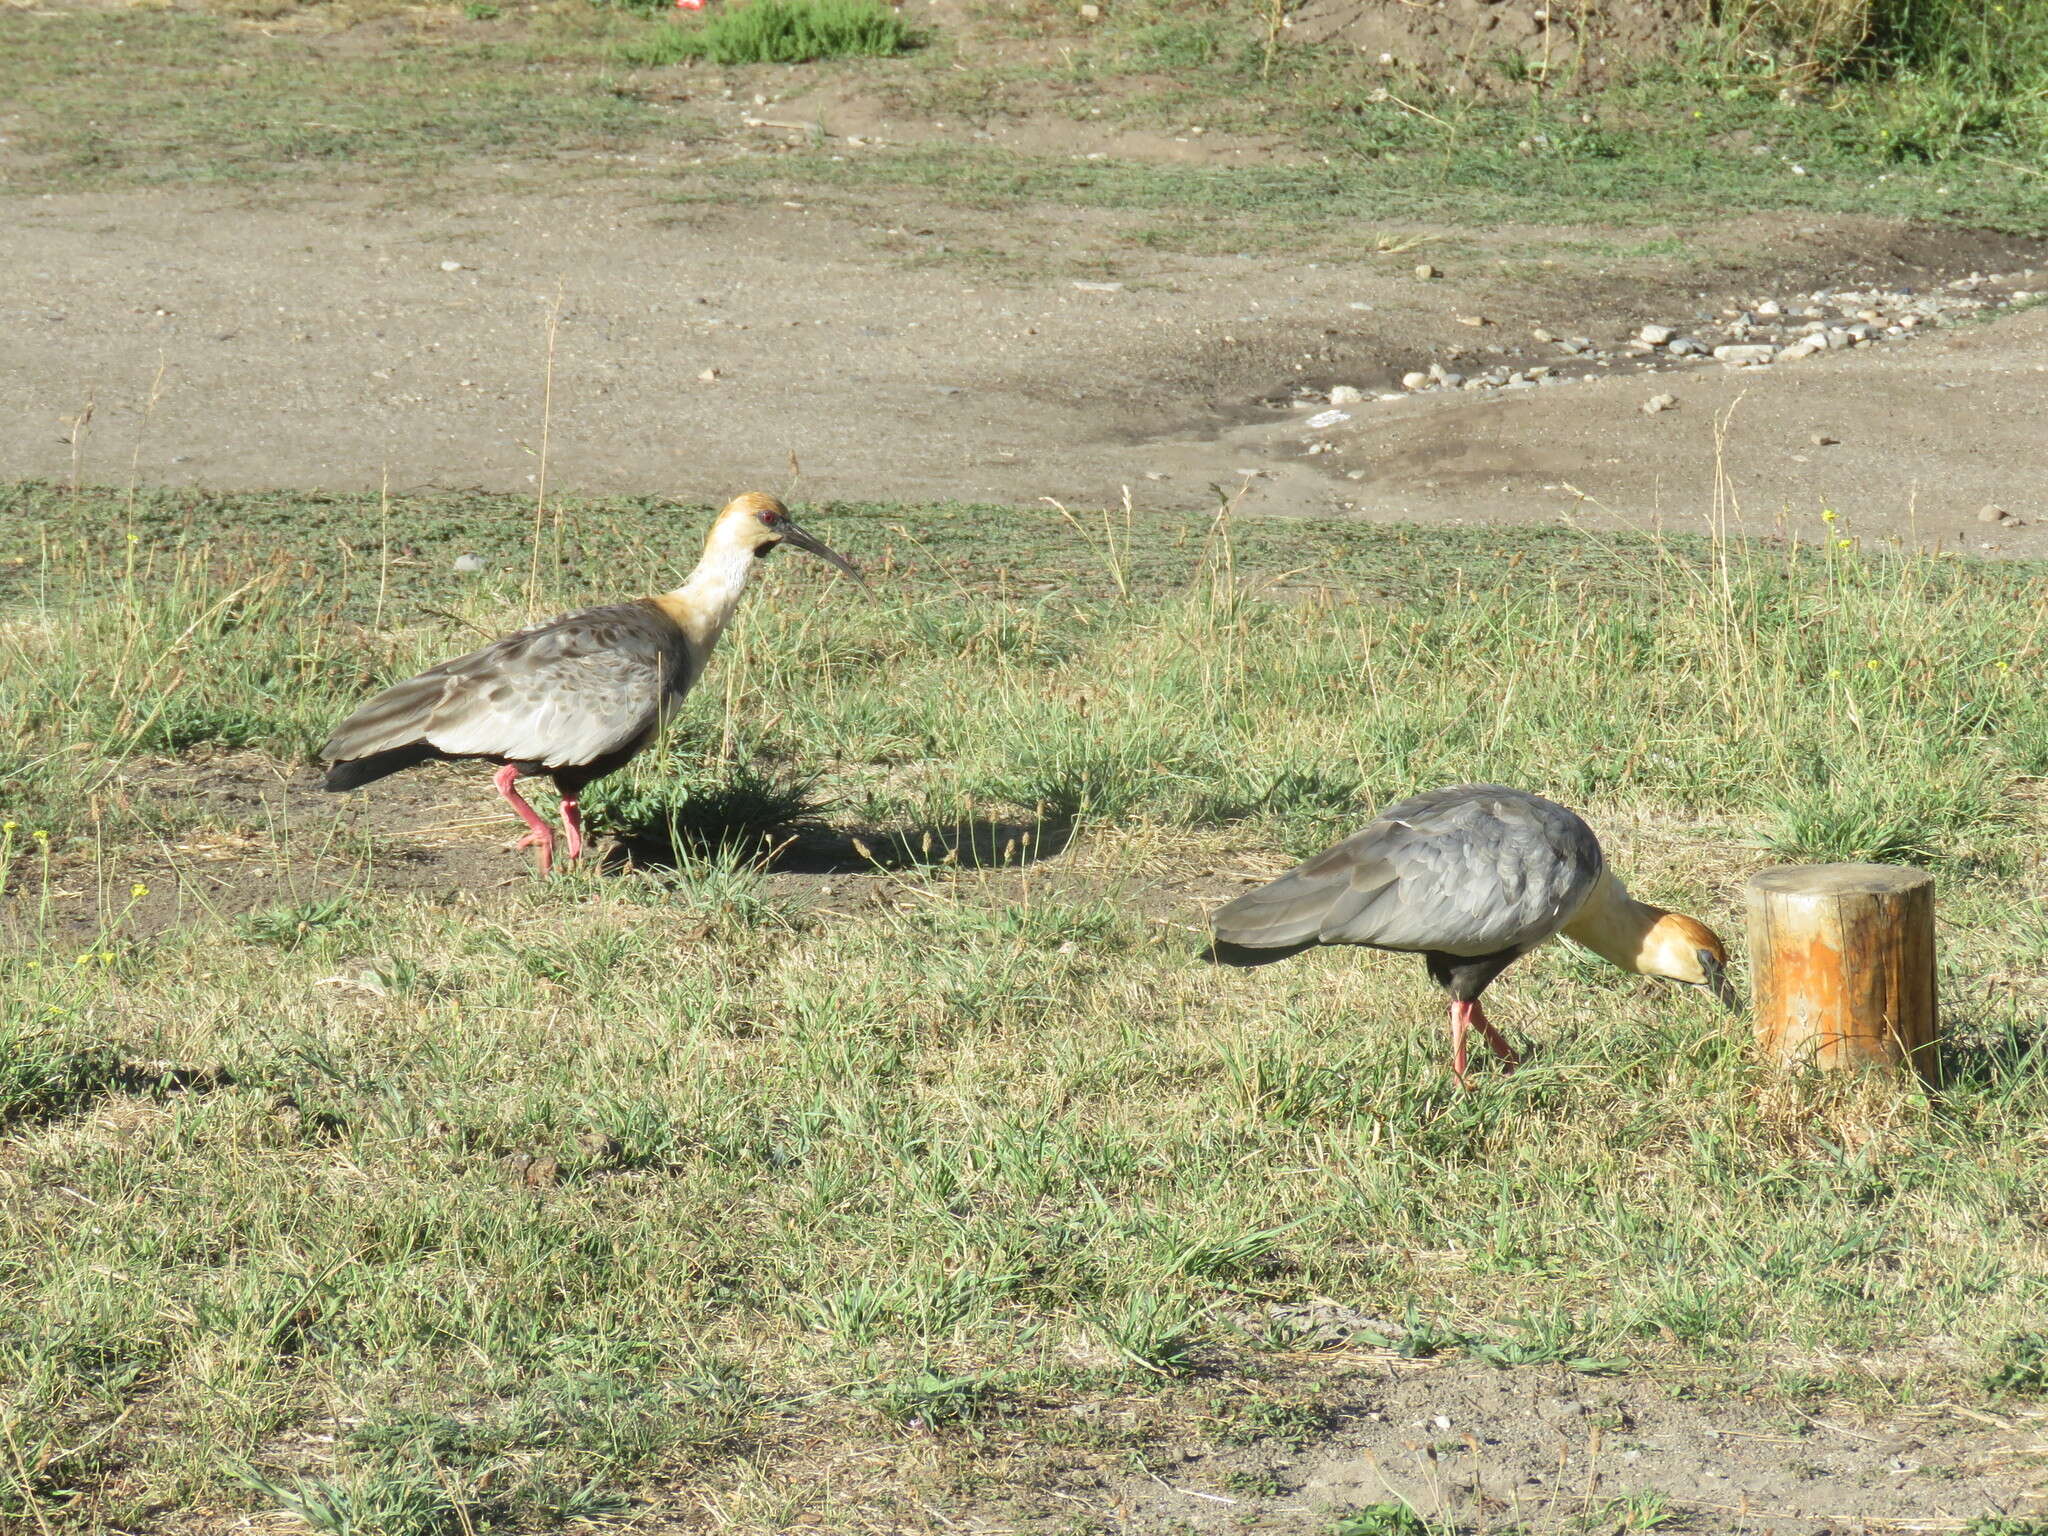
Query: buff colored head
{"x": 1651, "y": 941}
{"x": 1684, "y": 949}
{"x": 761, "y": 523}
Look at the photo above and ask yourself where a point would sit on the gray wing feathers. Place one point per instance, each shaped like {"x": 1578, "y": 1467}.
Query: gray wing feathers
{"x": 395, "y": 718}
{"x": 1294, "y": 908}
{"x": 1471, "y": 870}
{"x": 560, "y": 694}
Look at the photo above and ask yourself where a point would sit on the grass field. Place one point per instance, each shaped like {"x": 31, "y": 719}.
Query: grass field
{"x": 777, "y": 1193}
{"x": 213, "y": 101}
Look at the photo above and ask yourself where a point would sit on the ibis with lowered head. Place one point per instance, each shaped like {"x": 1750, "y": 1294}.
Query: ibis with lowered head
{"x": 575, "y": 698}
{"x": 1471, "y": 878}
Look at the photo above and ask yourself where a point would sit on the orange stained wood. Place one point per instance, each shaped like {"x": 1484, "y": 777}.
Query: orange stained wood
{"x": 1843, "y": 959}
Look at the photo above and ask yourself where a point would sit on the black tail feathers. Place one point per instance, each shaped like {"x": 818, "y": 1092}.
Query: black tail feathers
{"x": 1223, "y": 952}
{"x": 356, "y": 772}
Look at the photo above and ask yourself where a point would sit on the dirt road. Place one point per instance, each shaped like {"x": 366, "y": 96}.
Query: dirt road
{"x": 328, "y": 341}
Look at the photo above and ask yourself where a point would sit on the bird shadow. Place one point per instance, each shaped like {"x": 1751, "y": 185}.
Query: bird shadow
{"x": 1245, "y": 957}
{"x": 1986, "y": 1055}
{"x": 811, "y": 849}
{"x": 75, "y": 1081}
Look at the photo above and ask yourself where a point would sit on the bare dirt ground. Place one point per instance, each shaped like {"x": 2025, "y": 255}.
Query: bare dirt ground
{"x": 323, "y": 342}
{"x": 1544, "y": 1449}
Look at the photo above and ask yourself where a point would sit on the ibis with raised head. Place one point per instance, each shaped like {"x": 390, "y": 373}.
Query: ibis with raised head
{"x": 575, "y": 698}
{"x": 1471, "y": 878}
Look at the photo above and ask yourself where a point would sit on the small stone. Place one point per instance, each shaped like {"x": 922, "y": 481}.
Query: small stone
{"x": 1577, "y": 344}
{"x": 1540, "y": 334}
{"x": 451, "y": 266}
{"x": 1736, "y": 356}
{"x": 1346, "y": 394}
{"x": 1770, "y": 309}
{"x": 1425, "y": 271}
{"x": 1100, "y": 287}
{"x": 1091, "y": 13}
{"x": 1658, "y": 403}
{"x": 1655, "y": 335}
{"x": 1685, "y": 346}
{"x": 1822, "y": 440}
{"x": 708, "y": 376}
{"x": 1992, "y": 513}
{"x": 467, "y": 565}
{"x": 1415, "y": 381}
{"x": 1473, "y": 320}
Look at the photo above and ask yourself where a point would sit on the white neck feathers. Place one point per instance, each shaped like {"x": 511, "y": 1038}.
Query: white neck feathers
{"x": 704, "y": 604}
{"x": 1613, "y": 924}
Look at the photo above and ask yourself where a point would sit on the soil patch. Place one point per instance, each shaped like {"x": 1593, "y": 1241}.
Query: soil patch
{"x": 933, "y": 353}
{"x": 1547, "y": 1449}
{"x": 1448, "y": 39}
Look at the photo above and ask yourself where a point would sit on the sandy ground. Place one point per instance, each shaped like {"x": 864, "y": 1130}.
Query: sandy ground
{"x": 326, "y": 343}
{"x": 1542, "y": 1449}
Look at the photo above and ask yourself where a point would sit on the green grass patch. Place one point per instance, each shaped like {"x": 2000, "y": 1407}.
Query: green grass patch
{"x": 205, "y": 101}
{"x": 1643, "y": 167}
{"x": 1931, "y": 79}
{"x": 1949, "y": 136}
{"x": 778, "y": 32}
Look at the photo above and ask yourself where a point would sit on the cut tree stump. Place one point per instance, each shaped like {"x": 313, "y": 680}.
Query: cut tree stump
{"x": 1842, "y": 961}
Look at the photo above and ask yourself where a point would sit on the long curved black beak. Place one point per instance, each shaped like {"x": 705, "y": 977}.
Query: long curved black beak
{"x": 1717, "y": 982}
{"x": 791, "y": 534}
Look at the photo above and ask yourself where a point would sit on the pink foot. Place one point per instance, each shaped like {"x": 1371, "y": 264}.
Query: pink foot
{"x": 1461, "y": 1022}
{"x": 542, "y": 835}
{"x": 1507, "y": 1053}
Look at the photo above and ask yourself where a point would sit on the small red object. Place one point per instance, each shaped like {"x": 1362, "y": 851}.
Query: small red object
{"x": 689, "y": 5}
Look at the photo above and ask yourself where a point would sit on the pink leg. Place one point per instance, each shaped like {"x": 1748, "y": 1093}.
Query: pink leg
{"x": 1461, "y": 1021}
{"x": 1494, "y": 1038}
{"x": 572, "y": 823}
{"x": 542, "y": 835}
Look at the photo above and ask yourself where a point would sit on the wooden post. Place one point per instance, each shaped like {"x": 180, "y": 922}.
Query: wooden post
{"x": 1842, "y": 962}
